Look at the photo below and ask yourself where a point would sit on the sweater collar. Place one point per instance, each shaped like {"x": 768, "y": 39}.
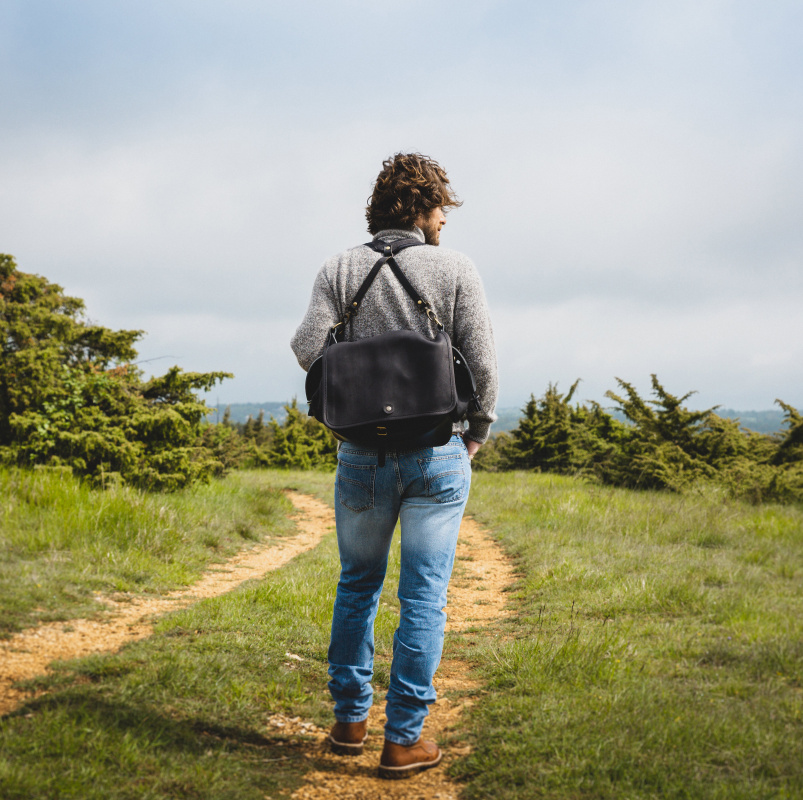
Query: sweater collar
{"x": 393, "y": 234}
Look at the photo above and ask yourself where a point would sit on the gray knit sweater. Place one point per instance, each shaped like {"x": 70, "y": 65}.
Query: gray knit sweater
{"x": 446, "y": 279}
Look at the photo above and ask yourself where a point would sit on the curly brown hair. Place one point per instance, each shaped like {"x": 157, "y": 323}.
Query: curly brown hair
{"x": 408, "y": 185}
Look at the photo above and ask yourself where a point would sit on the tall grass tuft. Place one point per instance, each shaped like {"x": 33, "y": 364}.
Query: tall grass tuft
{"x": 62, "y": 541}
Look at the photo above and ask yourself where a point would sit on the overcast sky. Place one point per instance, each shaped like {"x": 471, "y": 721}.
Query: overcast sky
{"x": 632, "y": 176}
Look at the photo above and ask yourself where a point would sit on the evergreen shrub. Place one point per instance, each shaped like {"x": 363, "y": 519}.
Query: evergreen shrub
{"x": 661, "y": 445}
{"x": 71, "y": 396}
{"x": 299, "y": 442}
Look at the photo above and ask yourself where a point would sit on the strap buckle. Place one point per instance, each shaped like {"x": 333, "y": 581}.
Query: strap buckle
{"x": 433, "y": 316}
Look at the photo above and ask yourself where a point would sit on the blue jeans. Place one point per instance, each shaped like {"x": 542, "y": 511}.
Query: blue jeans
{"x": 427, "y": 489}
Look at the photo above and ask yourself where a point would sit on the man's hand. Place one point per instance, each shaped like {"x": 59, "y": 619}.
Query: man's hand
{"x": 472, "y": 447}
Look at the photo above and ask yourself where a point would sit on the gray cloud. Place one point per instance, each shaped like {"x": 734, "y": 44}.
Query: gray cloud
{"x": 631, "y": 176}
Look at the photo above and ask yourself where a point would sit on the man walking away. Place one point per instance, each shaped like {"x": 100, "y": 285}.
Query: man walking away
{"x": 425, "y": 488}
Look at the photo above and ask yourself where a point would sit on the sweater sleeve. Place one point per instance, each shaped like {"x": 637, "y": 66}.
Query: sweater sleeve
{"x": 473, "y": 336}
{"x": 309, "y": 339}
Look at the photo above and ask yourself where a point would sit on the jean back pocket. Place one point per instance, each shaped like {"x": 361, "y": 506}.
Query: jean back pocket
{"x": 355, "y": 485}
{"x": 444, "y": 477}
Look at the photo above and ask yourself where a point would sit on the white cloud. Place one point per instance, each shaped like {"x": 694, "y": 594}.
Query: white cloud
{"x": 742, "y": 354}
{"x": 631, "y": 173}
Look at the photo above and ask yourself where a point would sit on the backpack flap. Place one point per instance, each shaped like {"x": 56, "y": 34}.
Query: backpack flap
{"x": 386, "y": 379}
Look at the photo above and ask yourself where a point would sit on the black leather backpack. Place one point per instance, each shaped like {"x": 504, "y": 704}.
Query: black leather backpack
{"x": 397, "y": 390}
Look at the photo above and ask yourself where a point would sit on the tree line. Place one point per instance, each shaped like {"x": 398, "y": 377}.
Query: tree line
{"x": 661, "y": 445}
{"x": 72, "y": 397}
{"x": 299, "y": 442}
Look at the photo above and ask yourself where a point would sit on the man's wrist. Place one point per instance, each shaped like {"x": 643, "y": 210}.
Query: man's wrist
{"x": 478, "y": 430}
{"x": 471, "y": 445}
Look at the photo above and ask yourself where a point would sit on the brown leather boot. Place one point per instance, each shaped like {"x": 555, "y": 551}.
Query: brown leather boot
{"x": 400, "y": 761}
{"x": 347, "y": 738}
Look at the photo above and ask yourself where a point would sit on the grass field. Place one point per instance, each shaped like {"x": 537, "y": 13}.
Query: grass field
{"x": 656, "y": 648}
{"x": 186, "y": 712}
{"x": 60, "y": 542}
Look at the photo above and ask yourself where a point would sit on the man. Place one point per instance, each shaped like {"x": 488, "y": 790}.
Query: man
{"x": 426, "y": 489}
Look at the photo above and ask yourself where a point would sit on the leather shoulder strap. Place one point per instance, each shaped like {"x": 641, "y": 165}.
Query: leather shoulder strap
{"x": 391, "y": 248}
{"x": 388, "y": 250}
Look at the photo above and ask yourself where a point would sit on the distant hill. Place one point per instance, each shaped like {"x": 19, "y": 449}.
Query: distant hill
{"x": 770, "y": 421}
{"x": 241, "y": 411}
{"x": 759, "y": 421}
{"x": 508, "y": 419}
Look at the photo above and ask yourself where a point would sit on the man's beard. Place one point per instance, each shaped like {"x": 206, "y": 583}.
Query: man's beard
{"x": 432, "y": 234}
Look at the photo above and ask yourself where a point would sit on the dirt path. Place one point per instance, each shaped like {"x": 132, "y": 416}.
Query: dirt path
{"x": 476, "y": 598}
{"x": 28, "y": 653}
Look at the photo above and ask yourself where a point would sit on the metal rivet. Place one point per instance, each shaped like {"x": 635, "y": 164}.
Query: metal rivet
{"x": 388, "y": 409}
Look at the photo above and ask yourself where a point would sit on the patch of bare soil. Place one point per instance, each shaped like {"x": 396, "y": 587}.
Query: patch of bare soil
{"x": 476, "y": 598}
{"x": 28, "y": 653}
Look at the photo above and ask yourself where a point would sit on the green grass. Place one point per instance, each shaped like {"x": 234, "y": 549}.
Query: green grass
{"x": 61, "y": 542}
{"x": 185, "y": 713}
{"x": 656, "y": 650}
{"x": 318, "y": 483}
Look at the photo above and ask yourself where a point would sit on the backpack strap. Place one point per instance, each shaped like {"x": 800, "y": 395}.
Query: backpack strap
{"x": 388, "y": 250}
{"x": 396, "y": 246}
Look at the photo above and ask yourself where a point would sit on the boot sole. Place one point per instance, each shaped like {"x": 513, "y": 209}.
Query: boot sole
{"x": 346, "y": 749}
{"x": 399, "y": 773}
